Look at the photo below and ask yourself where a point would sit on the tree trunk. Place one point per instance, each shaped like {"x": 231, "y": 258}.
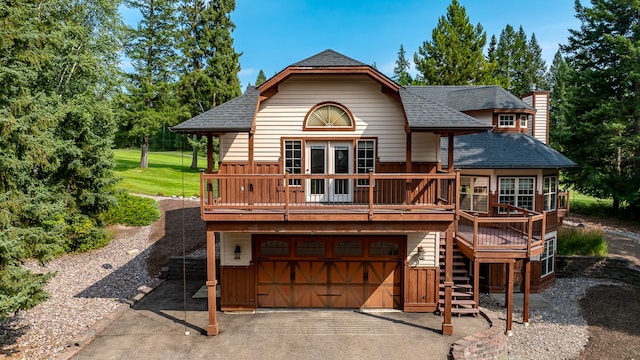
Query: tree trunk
{"x": 144, "y": 155}
{"x": 616, "y": 205}
{"x": 194, "y": 154}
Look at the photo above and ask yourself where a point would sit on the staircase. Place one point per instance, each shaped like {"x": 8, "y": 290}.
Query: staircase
{"x": 462, "y": 295}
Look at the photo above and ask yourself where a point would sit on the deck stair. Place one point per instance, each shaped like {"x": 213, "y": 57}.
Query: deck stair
{"x": 462, "y": 296}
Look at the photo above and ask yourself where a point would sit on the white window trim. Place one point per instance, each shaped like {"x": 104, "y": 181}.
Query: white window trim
{"x": 473, "y": 194}
{"x": 523, "y": 121}
{"x": 548, "y": 254}
{"x": 362, "y": 182}
{"x": 293, "y": 182}
{"x": 516, "y": 195}
{"x": 547, "y": 195}
{"x": 513, "y": 120}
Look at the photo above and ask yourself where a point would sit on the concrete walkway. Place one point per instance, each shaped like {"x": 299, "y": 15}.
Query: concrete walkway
{"x": 155, "y": 329}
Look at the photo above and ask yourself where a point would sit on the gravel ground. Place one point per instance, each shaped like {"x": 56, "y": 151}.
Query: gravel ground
{"x": 556, "y": 333}
{"x": 89, "y": 286}
{"x": 85, "y": 288}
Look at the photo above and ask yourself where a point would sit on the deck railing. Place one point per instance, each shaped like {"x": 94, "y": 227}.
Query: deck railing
{"x": 510, "y": 228}
{"x": 288, "y": 192}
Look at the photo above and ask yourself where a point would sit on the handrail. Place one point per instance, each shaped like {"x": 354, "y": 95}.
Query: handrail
{"x": 294, "y": 191}
{"x": 516, "y": 229}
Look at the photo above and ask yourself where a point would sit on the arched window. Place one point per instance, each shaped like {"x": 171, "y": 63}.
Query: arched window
{"x": 329, "y": 116}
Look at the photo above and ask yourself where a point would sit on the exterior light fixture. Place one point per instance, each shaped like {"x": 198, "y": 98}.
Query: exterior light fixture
{"x": 237, "y": 252}
{"x": 421, "y": 252}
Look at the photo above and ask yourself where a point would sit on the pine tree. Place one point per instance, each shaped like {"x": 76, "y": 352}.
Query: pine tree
{"x": 151, "y": 103}
{"x": 56, "y": 128}
{"x": 558, "y": 80}
{"x": 261, "y": 78}
{"x": 535, "y": 66}
{"x": 603, "y": 122}
{"x": 455, "y": 55}
{"x": 401, "y": 70}
{"x": 223, "y": 62}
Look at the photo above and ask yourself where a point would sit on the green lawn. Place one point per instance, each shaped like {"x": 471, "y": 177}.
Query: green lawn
{"x": 164, "y": 175}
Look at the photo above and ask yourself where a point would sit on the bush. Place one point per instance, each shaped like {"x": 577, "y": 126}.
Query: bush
{"x": 132, "y": 211}
{"x": 83, "y": 234}
{"x": 581, "y": 241}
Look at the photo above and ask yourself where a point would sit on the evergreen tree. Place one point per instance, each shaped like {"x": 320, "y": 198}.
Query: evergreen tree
{"x": 491, "y": 50}
{"x": 558, "y": 80}
{"x": 151, "y": 102}
{"x": 535, "y": 67}
{"x": 519, "y": 63}
{"x": 261, "y": 78}
{"x": 603, "y": 122}
{"x": 56, "y": 128}
{"x": 455, "y": 55}
{"x": 222, "y": 61}
{"x": 401, "y": 70}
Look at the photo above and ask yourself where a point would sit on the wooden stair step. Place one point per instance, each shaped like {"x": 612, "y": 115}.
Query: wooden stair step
{"x": 460, "y": 310}
{"x": 459, "y": 302}
{"x": 456, "y": 278}
{"x": 459, "y": 286}
{"x": 458, "y": 293}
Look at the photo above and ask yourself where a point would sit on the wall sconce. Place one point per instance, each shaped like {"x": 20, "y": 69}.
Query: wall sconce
{"x": 237, "y": 252}
{"x": 421, "y": 252}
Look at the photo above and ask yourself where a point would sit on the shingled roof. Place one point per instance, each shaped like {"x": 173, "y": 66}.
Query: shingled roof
{"x": 234, "y": 115}
{"x": 500, "y": 150}
{"x": 328, "y": 58}
{"x": 466, "y": 98}
{"x": 423, "y": 113}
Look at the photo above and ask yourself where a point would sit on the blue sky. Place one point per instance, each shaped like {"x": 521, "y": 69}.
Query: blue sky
{"x": 274, "y": 34}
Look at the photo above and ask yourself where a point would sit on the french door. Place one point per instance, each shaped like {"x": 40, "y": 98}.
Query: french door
{"x": 328, "y": 158}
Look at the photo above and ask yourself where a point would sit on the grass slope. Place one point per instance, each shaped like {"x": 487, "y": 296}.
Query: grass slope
{"x": 164, "y": 176}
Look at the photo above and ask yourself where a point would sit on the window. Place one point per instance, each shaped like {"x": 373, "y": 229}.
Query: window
{"x": 366, "y": 159}
{"x": 274, "y": 248}
{"x": 518, "y": 192}
{"x": 474, "y": 193}
{"x": 311, "y": 248}
{"x": 550, "y": 193}
{"x": 347, "y": 248}
{"x": 523, "y": 121}
{"x": 293, "y": 160}
{"x": 508, "y": 120}
{"x": 547, "y": 258}
{"x": 383, "y": 248}
{"x": 328, "y": 116}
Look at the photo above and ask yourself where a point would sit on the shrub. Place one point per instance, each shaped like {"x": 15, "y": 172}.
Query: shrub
{"x": 581, "y": 241}
{"x": 83, "y": 234}
{"x": 132, "y": 211}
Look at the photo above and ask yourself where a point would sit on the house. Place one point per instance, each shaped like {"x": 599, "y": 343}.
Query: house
{"x": 333, "y": 191}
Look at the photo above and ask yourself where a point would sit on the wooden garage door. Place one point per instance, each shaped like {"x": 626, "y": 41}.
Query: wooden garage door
{"x": 325, "y": 272}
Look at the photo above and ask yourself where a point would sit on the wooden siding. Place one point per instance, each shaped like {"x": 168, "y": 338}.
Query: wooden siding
{"x": 375, "y": 114}
{"x": 430, "y": 243}
{"x": 540, "y": 122}
{"x": 234, "y": 147}
{"x": 421, "y": 289}
{"x": 237, "y": 288}
{"x": 425, "y": 147}
{"x": 228, "y": 242}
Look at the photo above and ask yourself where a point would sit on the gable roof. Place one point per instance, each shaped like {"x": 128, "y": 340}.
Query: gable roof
{"x": 234, "y": 115}
{"x": 467, "y": 98}
{"x": 328, "y": 58}
{"x": 425, "y": 114}
{"x": 503, "y": 150}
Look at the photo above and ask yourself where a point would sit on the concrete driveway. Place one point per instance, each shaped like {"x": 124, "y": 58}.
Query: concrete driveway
{"x": 155, "y": 329}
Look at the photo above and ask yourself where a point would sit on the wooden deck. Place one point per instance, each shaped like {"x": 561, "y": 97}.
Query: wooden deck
{"x": 517, "y": 234}
{"x": 409, "y": 197}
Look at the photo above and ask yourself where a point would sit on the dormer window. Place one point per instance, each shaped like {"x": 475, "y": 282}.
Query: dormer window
{"x": 523, "y": 121}
{"x": 329, "y": 116}
{"x": 506, "y": 121}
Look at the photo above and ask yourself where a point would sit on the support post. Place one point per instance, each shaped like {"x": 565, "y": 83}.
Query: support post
{"x": 447, "y": 326}
{"x": 476, "y": 282}
{"x": 527, "y": 291}
{"x": 212, "y": 327}
{"x": 509, "y": 297}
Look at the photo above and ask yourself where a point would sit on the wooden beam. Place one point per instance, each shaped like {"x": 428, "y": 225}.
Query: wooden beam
{"x": 210, "y": 159}
{"x": 212, "y": 327}
{"x": 527, "y": 291}
{"x": 476, "y": 283}
{"x": 447, "y": 326}
{"x": 450, "y": 153}
{"x": 509, "y": 297}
